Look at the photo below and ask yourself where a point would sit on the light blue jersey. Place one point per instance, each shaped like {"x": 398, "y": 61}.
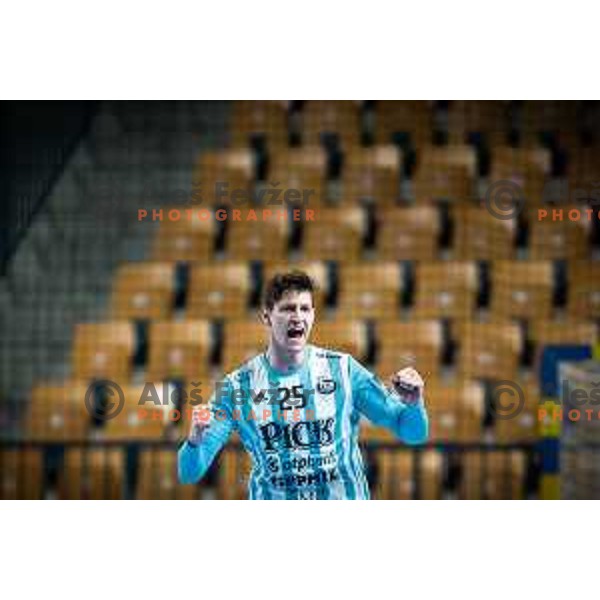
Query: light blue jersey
{"x": 301, "y": 427}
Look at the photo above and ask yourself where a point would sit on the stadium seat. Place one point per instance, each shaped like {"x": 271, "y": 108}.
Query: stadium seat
{"x": 185, "y": 239}
{"x": 583, "y": 173}
{"x": 526, "y": 168}
{"x": 335, "y": 235}
{"x": 234, "y": 471}
{"x": 493, "y": 475}
{"x": 304, "y": 160}
{"x": 584, "y": 290}
{"x": 480, "y": 236}
{"x": 258, "y": 240}
{"x": 242, "y": 340}
{"x": 266, "y": 118}
{"x": 179, "y": 350}
{"x": 339, "y": 117}
{"x": 316, "y": 270}
{"x": 398, "y": 470}
{"x": 445, "y": 172}
{"x": 523, "y": 428}
{"x": 372, "y": 174}
{"x": 559, "y": 240}
{"x": 551, "y": 333}
{"x": 397, "y": 118}
{"x": 93, "y": 474}
{"x": 343, "y": 336}
{"x": 489, "y": 350}
{"x": 522, "y": 290}
{"x": 21, "y": 474}
{"x": 455, "y": 412}
{"x": 487, "y": 117}
{"x": 540, "y": 117}
{"x": 219, "y": 291}
{"x": 369, "y": 291}
{"x": 103, "y": 351}
{"x": 409, "y": 233}
{"x": 445, "y": 290}
{"x": 57, "y": 413}
{"x": 157, "y": 477}
{"x": 143, "y": 291}
{"x": 417, "y": 344}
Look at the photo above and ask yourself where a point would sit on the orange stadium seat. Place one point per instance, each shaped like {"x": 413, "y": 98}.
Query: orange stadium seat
{"x": 480, "y": 236}
{"x": 369, "y": 291}
{"x": 455, "y": 411}
{"x": 268, "y": 118}
{"x": 343, "y": 335}
{"x": 526, "y": 168}
{"x": 584, "y": 290}
{"x": 143, "y": 291}
{"x": 21, "y": 474}
{"x": 524, "y": 426}
{"x": 179, "y": 350}
{"x": 242, "y": 340}
{"x": 445, "y": 172}
{"x": 408, "y": 233}
{"x": 522, "y": 289}
{"x": 445, "y": 290}
{"x": 398, "y": 470}
{"x": 489, "y": 350}
{"x": 559, "y": 240}
{"x": 413, "y": 117}
{"x": 372, "y": 174}
{"x": 93, "y": 474}
{"x": 316, "y": 270}
{"x": 185, "y": 239}
{"x": 340, "y": 117}
{"x": 493, "y": 475}
{"x": 157, "y": 477}
{"x": 335, "y": 235}
{"x": 103, "y": 351}
{"x": 57, "y": 412}
{"x": 417, "y": 344}
{"x": 219, "y": 291}
{"x": 234, "y": 472}
{"x": 257, "y": 240}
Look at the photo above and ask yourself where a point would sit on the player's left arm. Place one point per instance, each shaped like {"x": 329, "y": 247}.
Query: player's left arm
{"x": 400, "y": 408}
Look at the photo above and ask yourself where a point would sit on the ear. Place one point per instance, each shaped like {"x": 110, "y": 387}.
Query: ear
{"x": 265, "y": 318}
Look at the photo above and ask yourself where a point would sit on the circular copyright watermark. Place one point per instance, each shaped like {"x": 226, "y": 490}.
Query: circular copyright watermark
{"x": 504, "y": 200}
{"x": 100, "y": 401}
{"x": 507, "y": 400}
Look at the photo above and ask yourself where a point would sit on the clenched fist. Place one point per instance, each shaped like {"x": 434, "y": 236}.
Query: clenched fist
{"x": 408, "y": 384}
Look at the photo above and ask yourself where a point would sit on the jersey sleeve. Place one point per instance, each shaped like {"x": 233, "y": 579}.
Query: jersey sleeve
{"x": 385, "y": 407}
{"x": 194, "y": 460}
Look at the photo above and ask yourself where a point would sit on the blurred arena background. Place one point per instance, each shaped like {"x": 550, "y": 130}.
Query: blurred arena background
{"x": 426, "y": 244}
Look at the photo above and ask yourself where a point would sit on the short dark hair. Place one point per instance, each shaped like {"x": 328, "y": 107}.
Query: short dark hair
{"x": 281, "y": 283}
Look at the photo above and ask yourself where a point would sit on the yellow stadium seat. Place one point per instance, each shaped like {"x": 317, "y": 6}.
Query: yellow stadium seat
{"x": 480, "y": 236}
{"x": 340, "y": 117}
{"x": 310, "y": 161}
{"x": 493, "y": 475}
{"x": 551, "y": 333}
{"x": 157, "y": 477}
{"x": 21, "y": 474}
{"x": 408, "y": 233}
{"x": 57, "y": 412}
{"x": 296, "y": 186}
{"x": 186, "y": 239}
{"x": 372, "y": 174}
{"x": 219, "y": 291}
{"x": 522, "y": 290}
{"x": 522, "y": 428}
{"x": 335, "y": 235}
{"x": 559, "y": 240}
{"x": 218, "y": 173}
{"x": 257, "y": 239}
{"x": 268, "y": 118}
{"x": 445, "y": 290}
{"x": 489, "y": 350}
{"x": 179, "y": 350}
{"x": 413, "y": 117}
{"x": 542, "y": 116}
{"x": 234, "y": 473}
{"x": 93, "y": 474}
{"x": 445, "y": 172}
{"x": 584, "y": 290}
{"x": 418, "y": 344}
{"x": 242, "y": 340}
{"x": 103, "y": 351}
{"x": 398, "y": 470}
{"x": 343, "y": 335}
{"x": 369, "y": 291}
{"x": 489, "y": 117}
{"x": 143, "y": 291}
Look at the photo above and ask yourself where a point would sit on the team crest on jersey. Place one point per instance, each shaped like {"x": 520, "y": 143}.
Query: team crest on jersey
{"x": 326, "y": 385}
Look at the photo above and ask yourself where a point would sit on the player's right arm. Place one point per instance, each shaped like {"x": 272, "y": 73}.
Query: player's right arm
{"x": 209, "y": 431}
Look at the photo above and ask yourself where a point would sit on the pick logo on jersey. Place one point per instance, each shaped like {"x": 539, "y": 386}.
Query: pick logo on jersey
{"x": 305, "y": 434}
